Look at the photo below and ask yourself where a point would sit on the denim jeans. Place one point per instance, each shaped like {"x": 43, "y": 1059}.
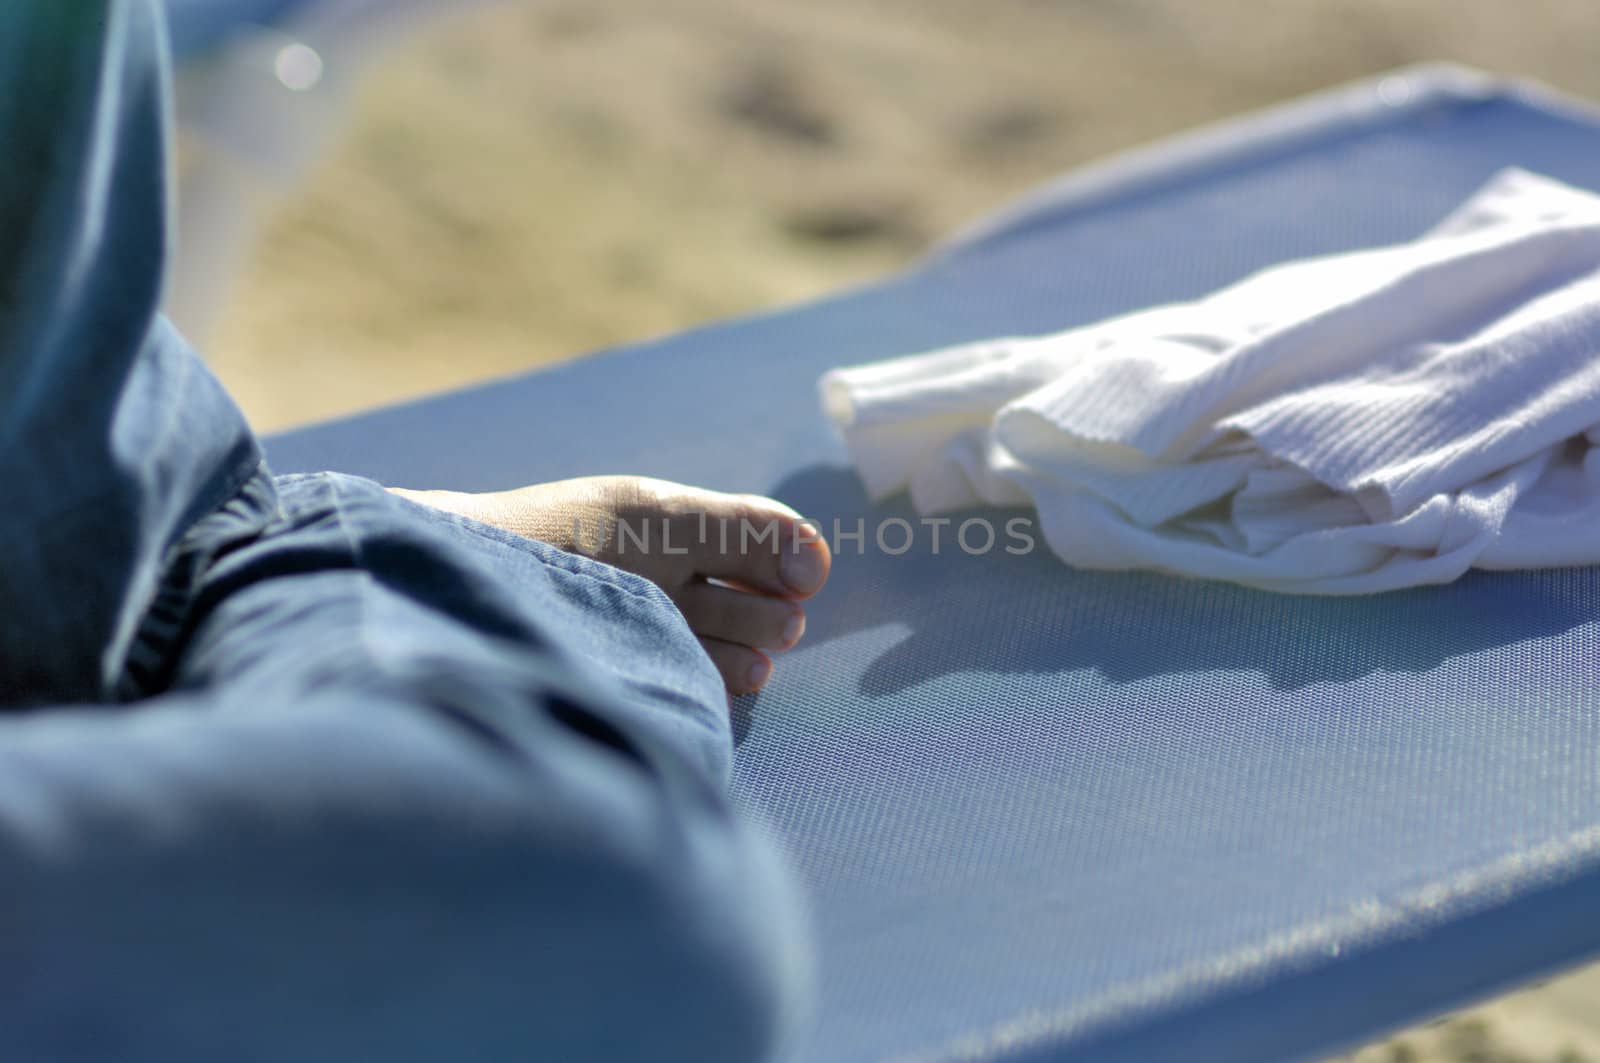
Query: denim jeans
{"x": 292, "y": 768}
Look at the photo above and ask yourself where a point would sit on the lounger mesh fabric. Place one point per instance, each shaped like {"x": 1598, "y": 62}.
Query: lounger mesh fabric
{"x": 197, "y": 26}
{"x": 1045, "y": 814}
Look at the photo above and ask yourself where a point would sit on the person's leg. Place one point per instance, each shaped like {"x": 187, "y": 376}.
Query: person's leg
{"x": 113, "y": 436}
{"x": 376, "y": 804}
{"x": 394, "y": 807}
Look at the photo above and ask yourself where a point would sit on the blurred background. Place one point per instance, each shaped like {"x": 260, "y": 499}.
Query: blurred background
{"x": 526, "y": 180}
{"x": 520, "y": 181}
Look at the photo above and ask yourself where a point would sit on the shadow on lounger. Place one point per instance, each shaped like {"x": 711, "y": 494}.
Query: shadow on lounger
{"x": 998, "y": 612}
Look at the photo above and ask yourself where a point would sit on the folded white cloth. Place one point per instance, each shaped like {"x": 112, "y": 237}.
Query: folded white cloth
{"x": 1338, "y": 425}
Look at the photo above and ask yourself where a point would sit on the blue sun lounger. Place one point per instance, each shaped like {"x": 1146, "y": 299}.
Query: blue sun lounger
{"x": 1045, "y": 814}
{"x": 200, "y": 28}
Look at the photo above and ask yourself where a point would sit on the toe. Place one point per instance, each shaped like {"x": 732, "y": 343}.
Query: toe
{"x": 741, "y": 617}
{"x": 744, "y": 670}
{"x": 755, "y": 542}
{"x": 805, "y": 561}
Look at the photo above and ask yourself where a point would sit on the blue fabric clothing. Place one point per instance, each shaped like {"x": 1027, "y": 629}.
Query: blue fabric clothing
{"x": 113, "y": 436}
{"x": 294, "y": 769}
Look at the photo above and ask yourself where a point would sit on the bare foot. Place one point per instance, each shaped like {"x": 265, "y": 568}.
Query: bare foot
{"x": 737, "y": 566}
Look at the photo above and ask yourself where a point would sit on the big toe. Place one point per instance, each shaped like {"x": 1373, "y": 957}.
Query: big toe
{"x": 758, "y": 543}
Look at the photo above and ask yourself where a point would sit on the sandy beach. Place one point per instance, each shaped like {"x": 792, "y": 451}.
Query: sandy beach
{"x": 543, "y": 178}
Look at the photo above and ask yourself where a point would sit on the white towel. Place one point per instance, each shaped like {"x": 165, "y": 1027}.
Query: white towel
{"x": 1338, "y": 425}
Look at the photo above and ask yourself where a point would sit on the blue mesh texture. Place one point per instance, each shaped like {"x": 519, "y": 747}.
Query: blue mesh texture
{"x": 1053, "y": 815}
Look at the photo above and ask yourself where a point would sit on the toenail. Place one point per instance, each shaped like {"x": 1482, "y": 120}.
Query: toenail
{"x": 758, "y": 674}
{"x": 794, "y": 628}
{"x": 801, "y": 566}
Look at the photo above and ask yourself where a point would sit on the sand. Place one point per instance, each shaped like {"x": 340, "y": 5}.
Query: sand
{"x": 548, "y": 177}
